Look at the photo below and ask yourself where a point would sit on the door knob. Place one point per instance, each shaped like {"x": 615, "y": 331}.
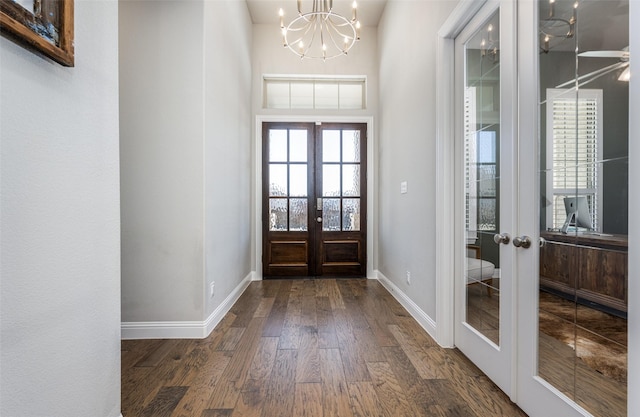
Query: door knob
{"x": 501, "y": 238}
{"x": 319, "y": 219}
{"x": 522, "y": 242}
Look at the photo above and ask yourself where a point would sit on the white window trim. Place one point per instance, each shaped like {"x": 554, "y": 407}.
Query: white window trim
{"x": 315, "y": 79}
{"x": 593, "y": 94}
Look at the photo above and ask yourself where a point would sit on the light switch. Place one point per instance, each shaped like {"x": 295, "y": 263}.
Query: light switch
{"x": 403, "y": 187}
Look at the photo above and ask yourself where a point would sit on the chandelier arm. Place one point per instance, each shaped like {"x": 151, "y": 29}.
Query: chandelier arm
{"x": 306, "y": 28}
{"x": 345, "y": 47}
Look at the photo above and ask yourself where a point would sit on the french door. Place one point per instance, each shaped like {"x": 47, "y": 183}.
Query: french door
{"x": 485, "y": 149}
{"x": 573, "y": 284}
{"x": 541, "y": 199}
{"x": 314, "y": 199}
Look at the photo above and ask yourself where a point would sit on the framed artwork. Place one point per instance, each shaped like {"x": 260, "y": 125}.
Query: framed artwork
{"x": 43, "y": 26}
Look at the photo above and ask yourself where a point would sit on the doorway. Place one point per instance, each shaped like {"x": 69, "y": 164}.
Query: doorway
{"x": 533, "y": 326}
{"x": 314, "y": 199}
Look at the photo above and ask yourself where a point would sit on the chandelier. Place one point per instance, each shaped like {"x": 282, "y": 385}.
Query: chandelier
{"x": 320, "y": 33}
{"x": 552, "y": 27}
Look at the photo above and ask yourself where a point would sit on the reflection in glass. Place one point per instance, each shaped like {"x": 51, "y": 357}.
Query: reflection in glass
{"x": 278, "y": 214}
{"x": 298, "y": 214}
{"x": 487, "y": 214}
{"x": 481, "y": 136}
{"x": 351, "y": 214}
{"x": 330, "y": 180}
{"x": 278, "y": 180}
{"x": 350, "y": 180}
{"x": 331, "y": 214}
{"x": 583, "y": 146}
{"x": 277, "y": 145}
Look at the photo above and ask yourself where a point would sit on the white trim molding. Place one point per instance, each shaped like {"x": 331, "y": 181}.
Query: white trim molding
{"x": 185, "y": 329}
{"x": 372, "y": 178}
{"x": 427, "y": 323}
{"x": 445, "y": 169}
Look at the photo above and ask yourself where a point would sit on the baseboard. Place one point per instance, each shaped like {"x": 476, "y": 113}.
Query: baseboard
{"x": 184, "y": 329}
{"x": 416, "y": 312}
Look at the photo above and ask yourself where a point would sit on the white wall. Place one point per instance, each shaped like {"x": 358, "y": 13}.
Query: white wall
{"x": 407, "y": 148}
{"x": 162, "y": 166}
{"x": 60, "y": 273}
{"x": 227, "y": 121}
{"x": 185, "y": 123}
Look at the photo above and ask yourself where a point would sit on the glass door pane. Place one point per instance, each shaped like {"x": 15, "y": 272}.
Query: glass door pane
{"x": 584, "y": 110}
{"x": 482, "y": 173}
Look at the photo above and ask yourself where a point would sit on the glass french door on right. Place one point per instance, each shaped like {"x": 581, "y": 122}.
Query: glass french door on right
{"x": 572, "y": 356}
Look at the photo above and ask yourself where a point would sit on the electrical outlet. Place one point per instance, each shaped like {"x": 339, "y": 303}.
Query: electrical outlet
{"x": 211, "y": 289}
{"x": 408, "y": 277}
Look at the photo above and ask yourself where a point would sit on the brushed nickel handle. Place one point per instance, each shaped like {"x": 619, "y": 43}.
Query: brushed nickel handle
{"x": 319, "y": 219}
{"x": 522, "y": 242}
{"x": 503, "y": 238}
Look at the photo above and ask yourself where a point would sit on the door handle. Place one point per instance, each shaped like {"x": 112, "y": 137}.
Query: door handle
{"x": 502, "y": 238}
{"x": 319, "y": 219}
{"x": 522, "y": 242}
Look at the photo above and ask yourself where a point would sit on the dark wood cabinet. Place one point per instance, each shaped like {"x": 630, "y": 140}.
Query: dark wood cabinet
{"x": 590, "y": 267}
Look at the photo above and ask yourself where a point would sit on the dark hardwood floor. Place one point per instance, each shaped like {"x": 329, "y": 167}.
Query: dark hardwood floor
{"x": 343, "y": 348}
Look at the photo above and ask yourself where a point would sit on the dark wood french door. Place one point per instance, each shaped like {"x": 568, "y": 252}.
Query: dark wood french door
{"x": 314, "y": 213}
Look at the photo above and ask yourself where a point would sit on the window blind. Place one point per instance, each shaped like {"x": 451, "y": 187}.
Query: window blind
{"x": 574, "y": 126}
{"x": 470, "y": 168}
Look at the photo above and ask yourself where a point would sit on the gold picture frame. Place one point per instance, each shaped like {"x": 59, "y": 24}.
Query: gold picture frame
{"x": 47, "y": 30}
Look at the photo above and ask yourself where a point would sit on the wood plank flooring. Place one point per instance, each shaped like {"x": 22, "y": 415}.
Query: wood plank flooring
{"x": 343, "y": 348}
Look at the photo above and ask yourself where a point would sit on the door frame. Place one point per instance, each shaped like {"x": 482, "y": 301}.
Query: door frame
{"x": 372, "y": 220}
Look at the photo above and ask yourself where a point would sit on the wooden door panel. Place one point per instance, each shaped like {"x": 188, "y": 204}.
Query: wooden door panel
{"x": 342, "y": 257}
{"x": 288, "y": 257}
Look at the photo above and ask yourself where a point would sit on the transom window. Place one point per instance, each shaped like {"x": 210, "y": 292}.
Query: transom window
{"x": 314, "y": 93}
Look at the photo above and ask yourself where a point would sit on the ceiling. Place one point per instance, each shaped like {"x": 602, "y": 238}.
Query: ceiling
{"x": 603, "y": 25}
{"x": 266, "y": 11}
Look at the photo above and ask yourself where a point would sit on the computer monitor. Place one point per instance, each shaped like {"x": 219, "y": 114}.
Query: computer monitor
{"x": 578, "y": 214}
